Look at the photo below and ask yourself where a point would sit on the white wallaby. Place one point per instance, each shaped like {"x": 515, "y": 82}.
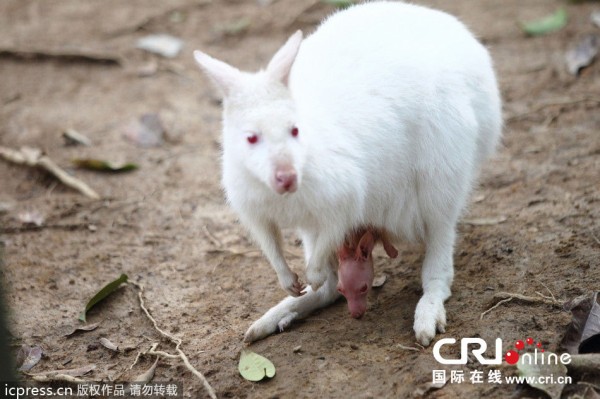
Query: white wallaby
{"x": 381, "y": 118}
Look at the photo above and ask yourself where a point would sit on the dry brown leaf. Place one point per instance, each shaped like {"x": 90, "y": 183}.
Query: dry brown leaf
{"x": 583, "y": 334}
{"x": 580, "y": 390}
{"x": 147, "y": 131}
{"x": 541, "y": 367}
{"x": 83, "y": 328}
{"x": 30, "y": 356}
{"x": 147, "y": 376}
{"x": 583, "y": 54}
{"x": 108, "y": 345}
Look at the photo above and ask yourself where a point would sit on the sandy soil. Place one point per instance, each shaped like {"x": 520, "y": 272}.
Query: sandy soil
{"x": 166, "y": 225}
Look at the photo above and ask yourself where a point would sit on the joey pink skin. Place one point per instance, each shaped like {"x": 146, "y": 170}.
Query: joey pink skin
{"x": 355, "y": 272}
{"x": 355, "y": 277}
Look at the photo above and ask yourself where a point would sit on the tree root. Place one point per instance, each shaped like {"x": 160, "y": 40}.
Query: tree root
{"x": 177, "y": 341}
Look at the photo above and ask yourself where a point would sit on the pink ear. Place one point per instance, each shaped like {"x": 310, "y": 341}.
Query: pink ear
{"x": 226, "y": 77}
{"x": 343, "y": 252}
{"x": 390, "y": 250}
{"x": 281, "y": 63}
{"x": 365, "y": 245}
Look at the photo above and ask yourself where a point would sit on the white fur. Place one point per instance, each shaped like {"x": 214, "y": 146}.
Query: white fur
{"x": 397, "y": 107}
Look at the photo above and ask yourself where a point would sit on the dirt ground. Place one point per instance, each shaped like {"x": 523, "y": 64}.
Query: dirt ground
{"x": 167, "y": 226}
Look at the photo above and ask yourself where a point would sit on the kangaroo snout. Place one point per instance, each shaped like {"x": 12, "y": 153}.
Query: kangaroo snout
{"x": 285, "y": 180}
{"x": 358, "y": 311}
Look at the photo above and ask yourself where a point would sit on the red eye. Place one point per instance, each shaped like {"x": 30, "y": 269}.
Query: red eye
{"x": 363, "y": 289}
{"x": 294, "y": 131}
{"x": 252, "y": 139}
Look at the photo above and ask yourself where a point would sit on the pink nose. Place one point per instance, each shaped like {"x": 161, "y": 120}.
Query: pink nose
{"x": 357, "y": 311}
{"x": 285, "y": 181}
{"x": 357, "y": 314}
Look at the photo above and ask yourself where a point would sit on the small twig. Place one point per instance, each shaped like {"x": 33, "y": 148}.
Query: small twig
{"x": 231, "y": 252}
{"x": 544, "y": 296}
{"x": 595, "y": 238}
{"x": 137, "y": 359}
{"x": 173, "y": 339}
{"x": 505, "y": 297}
{"x": 33, "y": 157}
{"x": 525, "y": 298}
{"x": 495, "y": 306}
{"x": 548, "y": 289}
{"x": 211, "y": 237}
{"x": 33, "y": 227}
{"x": 154, "y": 352}
{"x": 408, "y": 348}
{"x": 46, "y": 163}
{"x": 60, "y": 54}
{"x": 58, "y": 377}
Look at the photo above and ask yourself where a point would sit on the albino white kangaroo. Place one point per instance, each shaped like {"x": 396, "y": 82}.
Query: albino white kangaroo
{"x": 382, "y": 117}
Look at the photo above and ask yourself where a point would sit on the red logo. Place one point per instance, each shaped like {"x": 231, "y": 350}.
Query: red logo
{"x": 512, "y": 356}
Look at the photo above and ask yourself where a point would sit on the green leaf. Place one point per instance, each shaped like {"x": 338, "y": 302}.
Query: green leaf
{"x": 550, "y": 23}
{"x": 103, "y": 166}
{"x": 103, "y": 293}
{"x": 339, "y": 3}
{"x": 536, "y": 370}
{"x": 255, "y": 367}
